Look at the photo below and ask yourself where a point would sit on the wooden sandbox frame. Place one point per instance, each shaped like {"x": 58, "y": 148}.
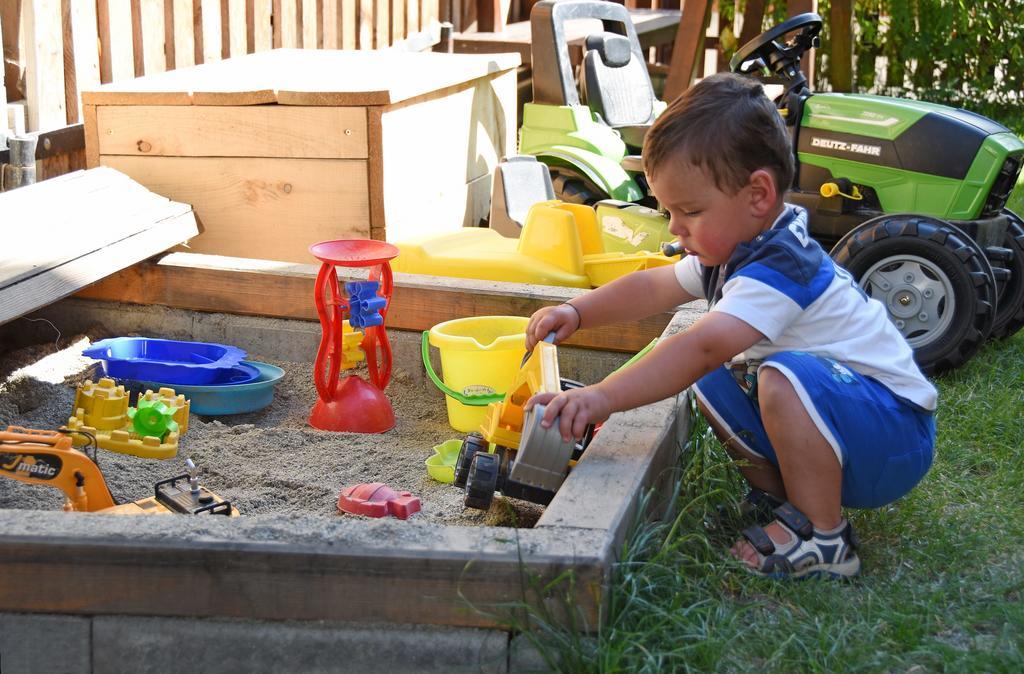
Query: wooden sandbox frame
{"x": 458, "y": 577}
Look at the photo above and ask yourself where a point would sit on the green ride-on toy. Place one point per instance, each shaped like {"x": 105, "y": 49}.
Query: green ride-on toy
{"x": 909, "y": 196}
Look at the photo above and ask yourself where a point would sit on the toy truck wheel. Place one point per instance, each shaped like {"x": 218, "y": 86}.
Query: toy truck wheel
{"x": 473, "y": 443}
{"x": 482, "y": 481}
{"x": 1010, "y": 316}
{"x": 933, "y": 279}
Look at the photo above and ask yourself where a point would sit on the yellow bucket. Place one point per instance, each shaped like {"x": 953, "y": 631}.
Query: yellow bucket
{"x": 480, "y": 357}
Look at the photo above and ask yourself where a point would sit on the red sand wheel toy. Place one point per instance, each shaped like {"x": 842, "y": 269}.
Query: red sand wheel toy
{"x": 350, "y": 403}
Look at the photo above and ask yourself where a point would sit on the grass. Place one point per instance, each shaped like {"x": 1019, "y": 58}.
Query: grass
{"x": 943, "y": 568}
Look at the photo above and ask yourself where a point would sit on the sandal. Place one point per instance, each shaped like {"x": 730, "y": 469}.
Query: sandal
{"x": 759, "y": 505}
{"x": 808, "y": 553}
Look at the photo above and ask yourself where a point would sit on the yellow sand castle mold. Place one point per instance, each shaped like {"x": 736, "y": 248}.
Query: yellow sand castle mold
{"x": 104, "y": 405}
{"x": 101, "y": 410}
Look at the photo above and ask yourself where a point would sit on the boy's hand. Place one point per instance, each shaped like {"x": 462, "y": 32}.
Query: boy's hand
{"x": 561, "y": 319}
{"x": 576, "y": 409}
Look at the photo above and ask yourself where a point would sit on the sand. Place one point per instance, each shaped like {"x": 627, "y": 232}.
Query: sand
{"x": 269, "y": 462}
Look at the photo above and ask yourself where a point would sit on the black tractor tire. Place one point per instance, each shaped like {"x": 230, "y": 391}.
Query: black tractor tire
{"x": 482, "y": 481}
{"x": 913, "y": 262}
{"x": 573, "y": 188}
{"x": 1010, "y": 316}
{"x": 473, "y": 443}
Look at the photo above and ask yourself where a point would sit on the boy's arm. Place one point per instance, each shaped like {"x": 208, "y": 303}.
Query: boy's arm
{"x": 678, "y": 361}
{"x": 672, "y": 366}
{"x": 632, "y": 297}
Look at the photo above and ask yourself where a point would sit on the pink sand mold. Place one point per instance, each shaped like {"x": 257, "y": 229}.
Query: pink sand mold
{"x": 376, "y": 499}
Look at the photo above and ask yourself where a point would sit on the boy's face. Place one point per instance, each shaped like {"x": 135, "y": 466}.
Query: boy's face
{"x": 710, "y": 223}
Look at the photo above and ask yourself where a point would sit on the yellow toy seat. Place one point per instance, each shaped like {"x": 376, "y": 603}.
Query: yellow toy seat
{"x": 548, "y": 252}
{"x": 560, "y": 245}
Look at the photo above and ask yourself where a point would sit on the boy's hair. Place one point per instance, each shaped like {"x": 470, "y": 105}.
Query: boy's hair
{"x": 726, "y": 126}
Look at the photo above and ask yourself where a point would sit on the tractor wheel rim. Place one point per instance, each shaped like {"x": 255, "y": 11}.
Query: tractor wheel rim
{"x": 917, "y": 295}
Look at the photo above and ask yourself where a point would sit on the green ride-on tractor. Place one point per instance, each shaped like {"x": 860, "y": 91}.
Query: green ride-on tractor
{"x": 909, "y": 196}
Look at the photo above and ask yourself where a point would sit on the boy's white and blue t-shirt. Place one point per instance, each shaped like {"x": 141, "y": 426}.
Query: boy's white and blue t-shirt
{"x": 820, "y": 330}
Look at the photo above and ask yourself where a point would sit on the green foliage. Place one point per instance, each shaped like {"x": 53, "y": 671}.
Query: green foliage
{"x": 955, "y": 52}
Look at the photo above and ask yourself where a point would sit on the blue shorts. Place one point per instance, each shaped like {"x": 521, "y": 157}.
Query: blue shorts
{"x": 883, "y": 442}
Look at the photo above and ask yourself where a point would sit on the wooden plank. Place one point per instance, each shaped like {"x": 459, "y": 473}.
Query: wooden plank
{"x": 238, "y": 34}
{"x": 154, "y": 56}
{"x": 103, "y": 30}
{"x": 366, "y": 24}
{"x": 224, "y": 20}
{"x": 841, "y": 55}
{"x": 141, "y": 574}
{"x": 138, "y": 57}
{"x": 211, "y": 32}
{"x": 308, "y": 77}
{"x": 412, "y": 16}
{"x": 381, "y": 34}
{"x": 688, "y": 48}
{"x": 250, "y": 131}
{"x": 290, "y": 203}
{"x": 753, "y": 17}
{"x": 457, "y": 159}
{"x": 310, "y": 26}
{"x": 278, "y": 9}
{"x": 92, "y": 143}
{"x": 198, "y": 33}
{"x": 348, "y": 14}
{"x": 654, "y": 27}
{"x": 42, "y": 263}
{"x": 70, "y": 88}
{"x": 794, "y": 7}
{"x": 375, "y": 172}
{"x": 262, "y": 288}
{"x": 4, "y": 128}
{"x": 250, "y": 26}
{"x": 43, "y": 26}
{"x": 489, "y": 16}
{"x": 53, "y": 240}
{"x": 290, "y": 36}
{"x": 398, "y": 31}
{"x": 263, "y": 30}
{"x": 117, "y": 43}
{"x": 431, "y": 11}
{"x": 169, "y": 47}
{"x": 48, "y": 287}
{"x": 331, "y": 24}
{"x": 184, "y": 34}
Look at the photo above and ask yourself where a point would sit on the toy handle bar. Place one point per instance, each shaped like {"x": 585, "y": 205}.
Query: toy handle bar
{"x": 479, "y": 400}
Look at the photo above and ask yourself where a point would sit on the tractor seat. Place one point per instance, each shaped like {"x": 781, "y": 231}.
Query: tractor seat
{"x": 617, "y": 86}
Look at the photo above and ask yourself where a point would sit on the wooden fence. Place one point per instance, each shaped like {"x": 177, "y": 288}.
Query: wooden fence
{"x": 82, "y": 43}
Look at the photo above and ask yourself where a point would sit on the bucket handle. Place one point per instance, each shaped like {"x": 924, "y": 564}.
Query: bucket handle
{"x": 479, "y": 400}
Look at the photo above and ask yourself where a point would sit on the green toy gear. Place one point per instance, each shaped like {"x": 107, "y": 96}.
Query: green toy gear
{"x": 152, "y": 418}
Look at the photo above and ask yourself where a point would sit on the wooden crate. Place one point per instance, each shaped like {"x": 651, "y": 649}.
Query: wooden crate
{"x": 280, "y": 149}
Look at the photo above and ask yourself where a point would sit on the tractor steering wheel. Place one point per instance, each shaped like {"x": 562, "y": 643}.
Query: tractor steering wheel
{"x": 780, "y": 58}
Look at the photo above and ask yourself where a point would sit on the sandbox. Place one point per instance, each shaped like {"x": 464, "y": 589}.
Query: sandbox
{"x": 291, "y": 556}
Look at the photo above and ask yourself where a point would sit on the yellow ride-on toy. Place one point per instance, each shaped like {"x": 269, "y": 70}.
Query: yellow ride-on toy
{"x": 47, "y": 458}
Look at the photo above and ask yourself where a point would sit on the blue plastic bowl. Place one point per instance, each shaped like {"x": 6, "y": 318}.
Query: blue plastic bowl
{"x": 166, "y": 360}
{"x": 230, "y": 398}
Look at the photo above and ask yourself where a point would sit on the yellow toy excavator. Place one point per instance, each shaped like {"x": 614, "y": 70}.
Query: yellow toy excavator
{"x": 47, "y": 458}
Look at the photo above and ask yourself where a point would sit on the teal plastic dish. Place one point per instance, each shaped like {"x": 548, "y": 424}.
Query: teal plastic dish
{"x": 230, "y": 398}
